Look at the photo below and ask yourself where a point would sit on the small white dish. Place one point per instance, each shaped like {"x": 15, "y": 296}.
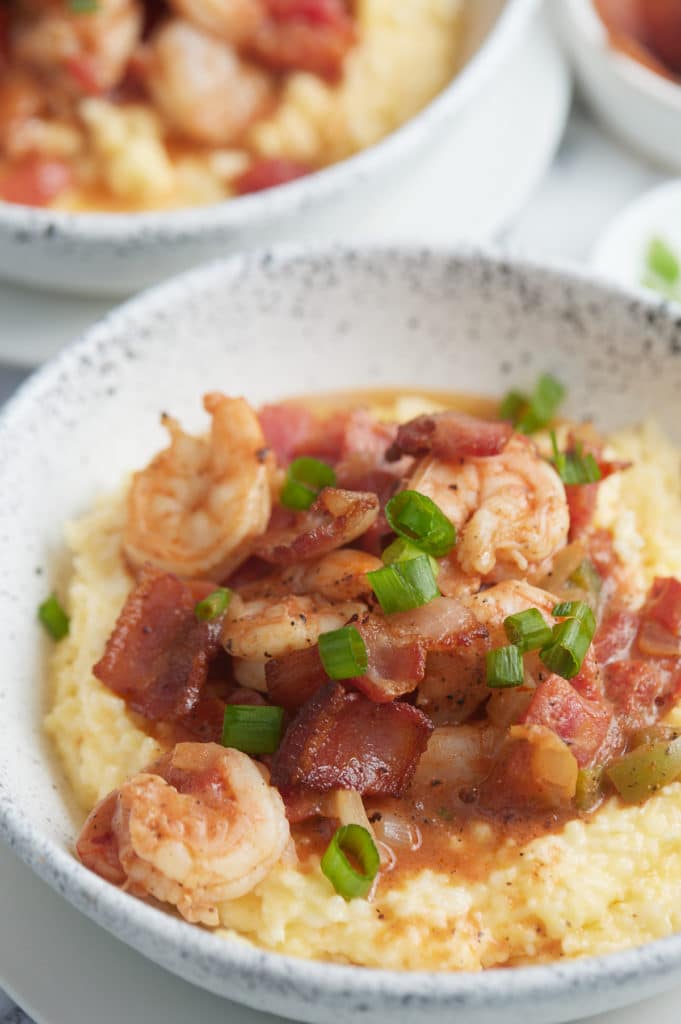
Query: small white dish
{"x": 115, "y": 254}
{"x": 620, "y": 253}
{"x": 266, "y": 325}
{"x": 640, "y": 106}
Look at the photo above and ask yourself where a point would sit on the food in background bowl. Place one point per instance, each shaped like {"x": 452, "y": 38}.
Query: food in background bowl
{"x": 647, "y": 30}
{"x": 141, "y": 104}
{"x": 383, "y": 682}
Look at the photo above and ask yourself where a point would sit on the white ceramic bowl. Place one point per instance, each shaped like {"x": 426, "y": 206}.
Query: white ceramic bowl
{"x": 266, "y": 326}
{"x": 640, "y": 106}
{"x": 115, "y": 254}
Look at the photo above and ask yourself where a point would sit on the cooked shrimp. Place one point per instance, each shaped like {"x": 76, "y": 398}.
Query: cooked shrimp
{"x": 511, "y": 509}
{"x": 198, "y": 504}
{"x": 87, "y": 51}
{"x": 490, "y": 607}
{"x": 235, "y": 21}
{"x": 202, "y": 87}
{"x": 256, "y": 631}
{"x": 201, "y": 826}
{"x": 338, "y": 576}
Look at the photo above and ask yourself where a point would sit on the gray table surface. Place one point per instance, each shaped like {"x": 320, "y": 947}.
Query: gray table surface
{"x": 591, "y": 180}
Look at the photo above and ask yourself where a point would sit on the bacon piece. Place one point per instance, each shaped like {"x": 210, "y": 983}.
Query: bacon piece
{"x": 639, "y": 690}
{"x": 342, "y": 740}
{"x": 35, "y": 181}
{"x": 583, "y": 498}
{"x": 286, "y": 427}
{"x": 664, "y": 604}
{"x": 451, "y": 435}
{"x": 336, "y": 518}
{"x": 582, "y": 724}
{"x": 264, "y": 174}
{"x": 293, "y": 678}
{"x": 205, "y": 720}
{"x": 158, "y": 654}
{"x": 395, "y": 665}
{"x": 309, "y": 35}
{"x": 615, "y": 635}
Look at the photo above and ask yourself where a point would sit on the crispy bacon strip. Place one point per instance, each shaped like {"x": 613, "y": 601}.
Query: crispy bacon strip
{"x": 309, "y": 35}
{"x": 641, "y": 690}
{"x": 158, "y": 654}
{"x": 336, "y": 518}
{"x": 293, "y": 678}
{"x": 450, "y": 435}
{"x": 396, "y": 665}
{"x": 341, "y": 740}
{"x": 664, "y": 604}
{"x": 582, "y": 724}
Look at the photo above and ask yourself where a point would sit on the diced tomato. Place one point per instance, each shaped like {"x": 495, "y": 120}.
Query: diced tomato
{"x": 664, "y": 604}
{"x": 264, "y": 174}
{"x": 35, "y": 181}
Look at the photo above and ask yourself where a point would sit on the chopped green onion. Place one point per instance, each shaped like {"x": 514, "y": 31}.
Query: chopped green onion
{"x": 251, "y": 728}
{"x": 346, "y": 880}
{"x": 343, "y": 653}
{"x": 589, "y": 789}
{"x": 305, "y": 478}
{"x": 531, "y": 413}
{"x": 404, "y": 585}
{"x": 214, "y": 605}
{"x": 662, "y": 261}
{"x": 577, "y": 610}
{"x": 587, "y": 577}
{"x": 54, "y": 618}
{"x": 402, "y": 550}
{"x": 83, "y": 6}
{"x": 512, "y": 406}
{"x": 418, "y": 519}
{"x": 575, "y": 467}
{"x": 527, "y": 630}
{"x": 505, "y": 667}
{"x": 645, "y": 770}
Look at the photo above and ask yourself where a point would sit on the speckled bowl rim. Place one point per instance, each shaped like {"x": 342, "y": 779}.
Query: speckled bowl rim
{"x": 149, "y": 929}
{"x": 272, "y": 204}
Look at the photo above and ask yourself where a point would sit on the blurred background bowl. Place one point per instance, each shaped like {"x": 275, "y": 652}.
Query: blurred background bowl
{"x": 114, "y": 254}
{"x": 641, "y": 106}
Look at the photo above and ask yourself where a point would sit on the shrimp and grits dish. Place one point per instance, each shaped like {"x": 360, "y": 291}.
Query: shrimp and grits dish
{"x": 133, "y": 105}
{"x": 389, "y": 679}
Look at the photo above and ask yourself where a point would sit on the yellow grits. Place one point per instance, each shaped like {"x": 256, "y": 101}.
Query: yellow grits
{"x": 602, "y": 883}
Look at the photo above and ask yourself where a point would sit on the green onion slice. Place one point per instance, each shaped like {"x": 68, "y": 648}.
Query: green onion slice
{"x": 214, "y": 605}
{"x": 589, "y": 791}
{"x": 402, "y": 550}
{"x": 570, "y": 641}
{"x": 662, "y": 261}
{"x": 348, "y": 881}
{"x": 54, "y": 618}
{"x": 418, "y": 519}
{"x": 404, "y": 585}
{"x": 83, "y": 6}
{"x": 577, "y": 610}
{"x": 505, "y": 667}
{"x": 305, "y": 478}
{"x": 527, "y": 630}
{"x": 251, "y": 728}
{"x": 343, "y": 653}
{"x": 531, "y": 413}
{"x": 575, "y": 467}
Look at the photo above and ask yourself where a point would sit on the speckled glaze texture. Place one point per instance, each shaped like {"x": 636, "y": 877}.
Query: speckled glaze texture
{"x": 115, "y": 254}
{"x": 269, "y": 325}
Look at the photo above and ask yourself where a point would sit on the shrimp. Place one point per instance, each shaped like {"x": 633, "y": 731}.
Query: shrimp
{"x": 198, "y": 504}
{"x": 83, "y": 51}
{"x": 338, "y": 576}
{"x": 201, "y": 826}
{"x": 202, "y": 87}
{"x": 511, "y": 509}
{"x": 256, "y": 631}
{"x": 235, "y": 21}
